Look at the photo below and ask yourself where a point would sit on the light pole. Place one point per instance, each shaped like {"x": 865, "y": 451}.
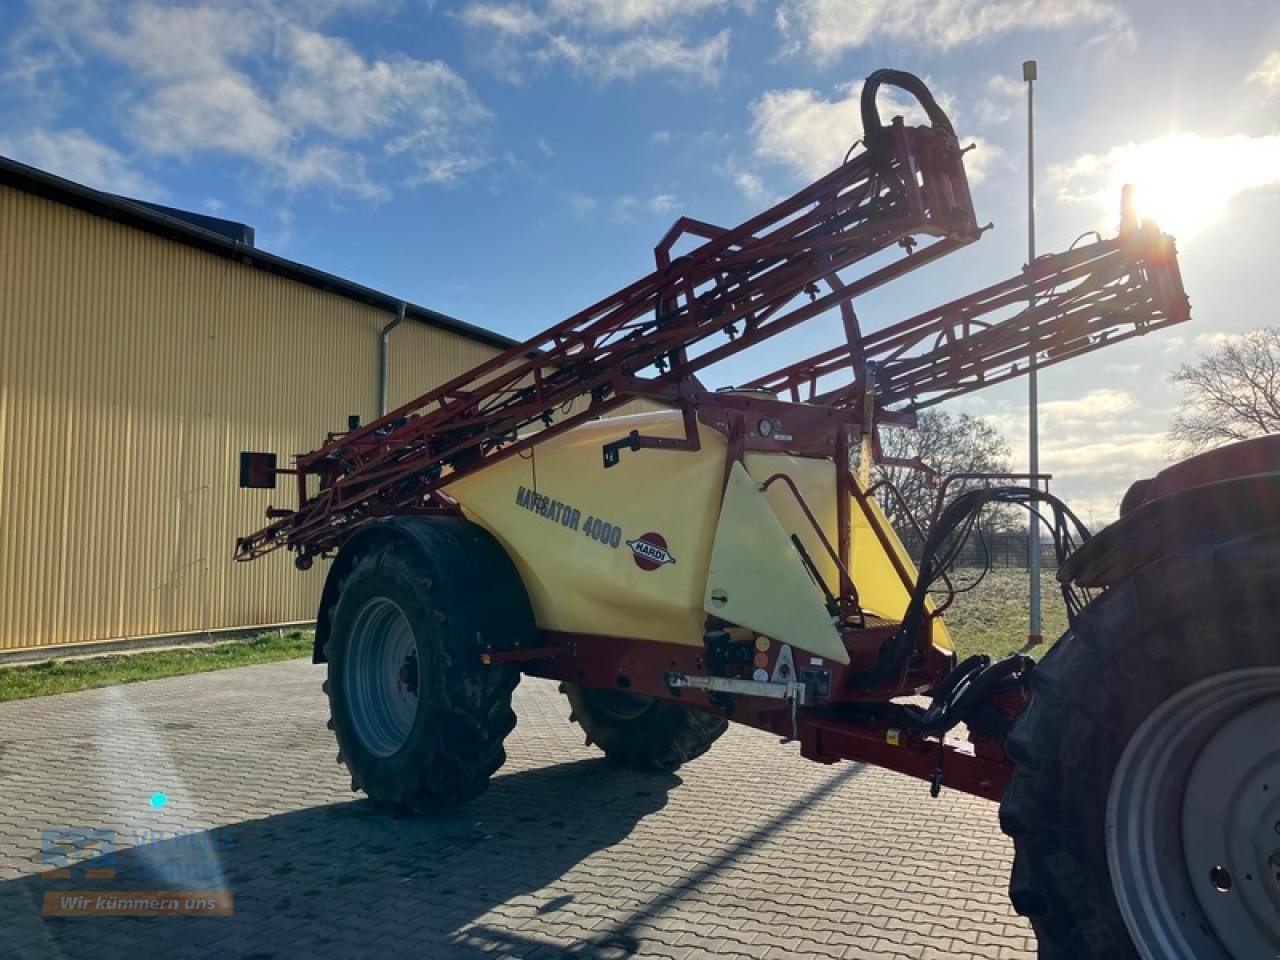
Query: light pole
{"x": 1034, "y": 634}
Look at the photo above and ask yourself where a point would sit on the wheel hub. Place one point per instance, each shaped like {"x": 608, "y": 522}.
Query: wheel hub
{"x": 1193, "y": 822}
{"x": 1229, "y": 838}
{"x": 381, "y": 677}
{"x": 407, "y": 676}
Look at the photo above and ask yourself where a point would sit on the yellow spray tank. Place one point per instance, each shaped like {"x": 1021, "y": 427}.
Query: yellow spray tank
{"x": 649, "y": 547}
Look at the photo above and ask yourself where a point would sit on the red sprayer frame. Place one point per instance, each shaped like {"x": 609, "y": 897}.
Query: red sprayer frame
{"x": 740, "y": 285}
{"x": 904, "y": 199}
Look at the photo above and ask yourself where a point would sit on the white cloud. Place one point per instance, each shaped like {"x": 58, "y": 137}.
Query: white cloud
{"x": 508, "y": 18}
{"x": 251, "y": 80}
{"x": 332, "y": 88}
{"x": 1002, "y": 97}
{"x": 664, "y": 203}
{"x": 1123, "y": 455}
{"x": 598, "y": 15}
{"x": 631, "y": 14}
{"x": 1267, "y": 74}
{"x": 629, "y": 59}
{"x": 1217, "y": 339}
{"x": 623, "y": 207}
{"x": 1099, "y": 409}
{"x": 752, "y": 187}
{"x": 803, "y": 131}
{"x": 582, "y": 205}
{"x": 223, "y": 113}
{"x": 825, "y": 29}
{"x": 1094, "y": 445}
{"x": 77, "y": 156}
{"x": 1185, "y": 182}
{"x": 342, "y": 171}
{"x": 1095, "y": 407}
{"x": 602, "y": 40}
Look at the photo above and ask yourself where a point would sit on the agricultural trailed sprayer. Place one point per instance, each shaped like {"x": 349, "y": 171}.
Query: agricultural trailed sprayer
{"x": 724, "y": 558}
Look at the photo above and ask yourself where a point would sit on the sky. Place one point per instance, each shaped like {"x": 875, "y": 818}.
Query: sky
{"x": 509, "y": 162}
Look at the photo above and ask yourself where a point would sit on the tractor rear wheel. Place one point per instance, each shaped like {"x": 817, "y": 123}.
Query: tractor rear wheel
{"x": 641, "y": 733}
{"x": 420, "y": 722}
{"x": 1145, "y": 801}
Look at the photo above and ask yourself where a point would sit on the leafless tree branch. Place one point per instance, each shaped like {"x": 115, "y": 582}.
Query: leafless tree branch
{"x": 948, "y": 444}
{"x": 1233, "y": 393}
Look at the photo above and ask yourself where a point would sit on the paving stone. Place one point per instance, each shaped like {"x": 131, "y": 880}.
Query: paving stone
{"x": 750, "y": 851}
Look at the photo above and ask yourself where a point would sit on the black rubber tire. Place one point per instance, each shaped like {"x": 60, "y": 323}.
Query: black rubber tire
{"x": 459, "y": 593}
{"x": 1175, "y": 622}
{"x": 641, "y": 733}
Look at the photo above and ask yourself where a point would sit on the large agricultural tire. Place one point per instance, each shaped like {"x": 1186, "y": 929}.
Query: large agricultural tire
{"x": 641, "y": 733}
{"x": 419, "y": 720}
{"x": 1145, "y": 802}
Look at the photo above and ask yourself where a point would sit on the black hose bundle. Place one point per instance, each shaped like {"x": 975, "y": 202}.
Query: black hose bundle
{"x": 873, "y": 130}
{"x": 947, "y": 539}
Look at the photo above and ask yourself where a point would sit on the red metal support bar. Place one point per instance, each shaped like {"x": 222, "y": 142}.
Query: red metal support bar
{"x": 944, "y": 764}
{"x": 550, "y": 652}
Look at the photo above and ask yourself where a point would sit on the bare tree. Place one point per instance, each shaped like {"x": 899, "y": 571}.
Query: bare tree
{"x": 945, "y": 443}
{"x": 1233, "y": 393}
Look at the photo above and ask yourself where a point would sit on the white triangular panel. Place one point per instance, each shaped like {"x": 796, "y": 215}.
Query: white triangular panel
{"x": 757, "y": 580}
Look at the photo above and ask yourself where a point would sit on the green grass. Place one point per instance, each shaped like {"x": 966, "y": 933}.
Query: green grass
{"x": 992, "y": 619}
{"x": 66, "y": 676}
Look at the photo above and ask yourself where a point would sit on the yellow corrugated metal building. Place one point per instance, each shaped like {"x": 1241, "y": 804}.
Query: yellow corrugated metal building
{"x": 139, "y": 353}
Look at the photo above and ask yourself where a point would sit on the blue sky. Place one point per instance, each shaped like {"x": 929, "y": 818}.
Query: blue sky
{"x": 511, "y": 162}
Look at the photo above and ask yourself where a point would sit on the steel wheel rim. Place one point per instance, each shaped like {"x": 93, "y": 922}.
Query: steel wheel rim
{"x": 1193, "y": 822}
{"x": 380, "y": 676}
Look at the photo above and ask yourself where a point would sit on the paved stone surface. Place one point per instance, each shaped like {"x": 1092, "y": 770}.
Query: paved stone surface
{"x": 748, "y": 852}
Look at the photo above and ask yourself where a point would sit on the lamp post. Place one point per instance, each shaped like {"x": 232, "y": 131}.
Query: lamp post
{"x": 1034, "y": 633}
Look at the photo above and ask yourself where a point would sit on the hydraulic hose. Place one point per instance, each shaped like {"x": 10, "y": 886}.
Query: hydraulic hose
{"x": 943, "y": 546}
{"x": 873, "y": 131}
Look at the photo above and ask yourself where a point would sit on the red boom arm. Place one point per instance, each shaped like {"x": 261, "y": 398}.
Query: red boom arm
{"x": 1085, "y": 298}
{"x": 651, "y": 338}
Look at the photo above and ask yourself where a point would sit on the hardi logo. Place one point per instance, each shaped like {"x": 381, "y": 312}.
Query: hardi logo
{"x": 649, "y": 551}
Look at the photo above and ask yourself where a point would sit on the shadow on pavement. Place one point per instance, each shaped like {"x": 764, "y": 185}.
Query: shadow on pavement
{"x": 623, "y": 937}
{"x": 346, "y": 880}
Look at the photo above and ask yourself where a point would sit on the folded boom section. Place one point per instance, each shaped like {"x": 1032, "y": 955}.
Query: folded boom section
{"x": 905, "y": 189}
{"x": 1064, "y": 305}
{"x": 903, "y": 199}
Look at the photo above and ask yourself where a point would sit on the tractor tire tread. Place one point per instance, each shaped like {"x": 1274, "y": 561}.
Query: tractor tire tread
{"x": 1177, "y": 620}
{"x": 470, "y": 704}
{"x": 661, "y": 739}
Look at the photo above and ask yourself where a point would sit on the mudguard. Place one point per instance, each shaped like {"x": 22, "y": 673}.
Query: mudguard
{"x": 448, "y": 539}
{"x": 1222, "y": 495}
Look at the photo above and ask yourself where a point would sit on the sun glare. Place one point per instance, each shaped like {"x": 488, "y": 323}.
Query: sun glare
{"x": 1183, "y": 182}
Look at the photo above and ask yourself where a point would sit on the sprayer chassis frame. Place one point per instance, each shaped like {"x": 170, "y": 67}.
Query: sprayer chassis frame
{"x": 826, "y": 733}
{"x": 837, "y": 727}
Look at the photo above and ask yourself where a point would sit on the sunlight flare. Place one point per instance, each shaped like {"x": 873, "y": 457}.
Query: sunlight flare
{"x": 1185, "y": 182}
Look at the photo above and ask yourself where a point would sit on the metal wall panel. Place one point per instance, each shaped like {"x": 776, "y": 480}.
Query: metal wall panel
{"x": 132, "y": 372}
